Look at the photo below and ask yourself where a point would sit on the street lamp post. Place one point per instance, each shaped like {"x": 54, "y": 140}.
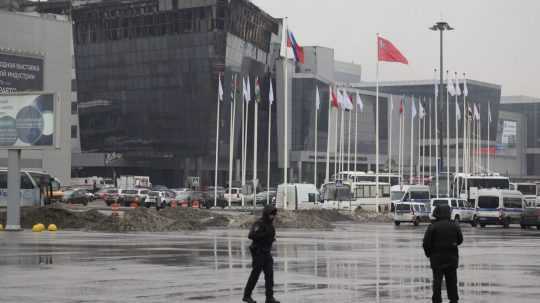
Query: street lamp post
{"x": 441, "y": 26}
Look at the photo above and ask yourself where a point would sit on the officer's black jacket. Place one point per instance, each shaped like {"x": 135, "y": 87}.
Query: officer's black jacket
{"x": 442, "y": 239}
{"x": 263, "y": 232}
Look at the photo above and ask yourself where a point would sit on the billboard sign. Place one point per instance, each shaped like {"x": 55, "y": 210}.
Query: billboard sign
{"x": 20, "y": 73}
{"x": 28, "y": 121}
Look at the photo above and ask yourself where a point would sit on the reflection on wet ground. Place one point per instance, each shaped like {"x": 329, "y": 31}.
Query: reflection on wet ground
{"x": 353, "y": 263}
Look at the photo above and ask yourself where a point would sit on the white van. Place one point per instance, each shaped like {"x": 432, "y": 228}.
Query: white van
{"x": 337, "y": 196}
{"x": 411, "y": 212}
{"x": 409, "y": 193}
{"x": 462, "y": 211}
{"x": 33, "y": 191}
{"x": 498, "y": 207}
{"x": 299, "y": 196}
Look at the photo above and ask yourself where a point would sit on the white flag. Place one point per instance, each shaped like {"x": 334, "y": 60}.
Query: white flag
{"x": 359, "y": 102}
{"x": 348, "y": 101}
{"x": 317, "y": 98}
{"x": 248, "y": 90}
{"x": 244, "y": 89}
{"x": 465, "y": 88}
{"x": 220, "y": 90}
{"x": 489, "y": 113}
{"x": 458, "y": 112}
{"x": 422, "y": 111}
{"x": 271, "y": 94}
{"x": 450, "y": 86}
{"x": 476, "y": 113}
{"x": 413, "y": 112}
{"x": 283, "y": 51}
{"x": 456, "y": 85}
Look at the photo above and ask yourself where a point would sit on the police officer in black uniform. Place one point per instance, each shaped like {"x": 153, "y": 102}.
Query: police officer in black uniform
{"x": 441, "y": 242}
{"x": 263, "y": 234}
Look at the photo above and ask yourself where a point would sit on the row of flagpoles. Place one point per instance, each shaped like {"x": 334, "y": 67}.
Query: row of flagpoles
{"x": 341, "y": 107}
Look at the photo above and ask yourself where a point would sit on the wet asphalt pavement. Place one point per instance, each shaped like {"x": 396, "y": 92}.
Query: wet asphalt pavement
{"x": 353, "y": 263}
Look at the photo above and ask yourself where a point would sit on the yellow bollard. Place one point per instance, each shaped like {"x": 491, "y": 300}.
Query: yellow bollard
{"x": 38, "y": 228}
{"x": 52, "y": 227}
{"x": 1, "y": 227}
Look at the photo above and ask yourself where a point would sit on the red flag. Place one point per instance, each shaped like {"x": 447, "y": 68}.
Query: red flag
{"x": 333, "y": 98}
{"x": 401, "y": 107}
{"x": 388, "y": 52}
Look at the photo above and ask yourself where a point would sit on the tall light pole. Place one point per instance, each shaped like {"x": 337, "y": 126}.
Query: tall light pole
{"x": 441, "y": 26}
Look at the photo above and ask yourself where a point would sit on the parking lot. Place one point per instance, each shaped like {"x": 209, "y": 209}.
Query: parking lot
{"x": 353, "y": 263}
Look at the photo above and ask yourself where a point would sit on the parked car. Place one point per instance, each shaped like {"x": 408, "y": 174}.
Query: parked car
{"x": 531, "y": 215}
{"x": 461, "y": 210}
{"x": 111, "y": 196}
{"x": 412, "y": 212}
{"x": 75, "y": 196}
{"x": 183, "y": 198}
{"x": 129, "y": 196}
{"x": 235, "y": 196}
{"x": 160, "y": 198}
{"x": 221, "y": 201}
{"x": 200, "y": 199}
{"x": 262, "y": 197}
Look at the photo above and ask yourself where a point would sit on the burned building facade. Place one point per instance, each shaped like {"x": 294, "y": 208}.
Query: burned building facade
{"x": 147, "y": 82}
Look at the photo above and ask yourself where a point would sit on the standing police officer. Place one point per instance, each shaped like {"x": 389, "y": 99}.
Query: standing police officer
{"x": 441, "y": 242}
{"x": 263, "y": 235}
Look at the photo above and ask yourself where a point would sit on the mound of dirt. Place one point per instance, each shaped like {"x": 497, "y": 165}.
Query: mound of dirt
{"x": 364, "y": 216}
{"x": 308, "y": 219}
{"x": 56, "y": 214}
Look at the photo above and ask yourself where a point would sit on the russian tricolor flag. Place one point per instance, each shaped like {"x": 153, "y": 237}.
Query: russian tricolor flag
{"x": 298, "y": 51}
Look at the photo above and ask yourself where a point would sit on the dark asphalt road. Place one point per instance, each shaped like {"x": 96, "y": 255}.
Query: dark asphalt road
{"x": 354, "y": 263}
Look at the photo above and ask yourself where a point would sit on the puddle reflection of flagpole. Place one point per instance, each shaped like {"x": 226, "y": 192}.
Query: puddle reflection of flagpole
{"x": 229, "y": 248}
{"x": 243, "y": 251}
{"x": 316, "y": 265}
{"x": 286, "y": 268}
{"x": 215, "y": 254}
{"x": 378, "y": 263}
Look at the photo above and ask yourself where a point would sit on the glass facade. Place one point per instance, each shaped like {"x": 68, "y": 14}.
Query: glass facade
{"x": 147, "y": 74}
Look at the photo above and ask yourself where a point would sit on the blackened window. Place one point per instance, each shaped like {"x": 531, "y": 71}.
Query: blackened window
{"x": 74, "y": 108}
{"x": 74, "y": 131}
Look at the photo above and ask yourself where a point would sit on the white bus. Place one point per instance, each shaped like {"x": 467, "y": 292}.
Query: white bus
{"x": 351, "y": 176}
{"x": 37, "y": 188}
{"x": 528, "y": 190}
{"x": 468, "y": 185}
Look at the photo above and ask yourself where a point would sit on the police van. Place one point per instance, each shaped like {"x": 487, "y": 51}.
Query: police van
{"x": 498, "y": 207}
{"x": 411, "y": 212}
{"x": 462, "y": 211}
{"x": 37, "y": 188}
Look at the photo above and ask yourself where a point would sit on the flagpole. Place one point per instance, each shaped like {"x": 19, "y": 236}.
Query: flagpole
{"x": 217, "y": 141}
{"x": 255, "y": 140}
{"x": 269, "y": 144}
{"x": 327, "y": 173}
{"x": 336, "y": 153}
{"x": 342, "y": 143}
{"x": 411, "y": 178}
{"x": 424, "y": 146}
{"x": 488, "y": 143}
{"x": 349, "y": 144}
{"x": 400, "y": 152}
{"x": 246, "y": 139}
{"x": 244, "y": 89}
{"x": 430, "y": 138}
{"x": 419, "y": 137}
{"x": 316, "y": 136}
{"x": 437, "y": 136}
{"x": 231, "y": 139}
{"x": 356, "y": 133}
{"x": 285, "y": 136}
{"x": 390, "y": 138}
{"x": 377, "y": 130}
{"x": 447, "y": 140}
{"x": 465, "y": 117}
{"x": 457, "y": 138}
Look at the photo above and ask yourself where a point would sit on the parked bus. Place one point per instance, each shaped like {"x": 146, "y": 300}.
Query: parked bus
{"x": 469, "y": 185}
{"x": 37, "y": 188}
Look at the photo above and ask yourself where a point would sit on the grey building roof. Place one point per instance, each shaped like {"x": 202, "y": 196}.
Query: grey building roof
{"x": 520, "y": 99}
{"x": 423, "y": 82}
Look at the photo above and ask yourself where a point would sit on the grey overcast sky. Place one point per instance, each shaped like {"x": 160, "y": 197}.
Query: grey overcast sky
{"x": 496, "y": 41}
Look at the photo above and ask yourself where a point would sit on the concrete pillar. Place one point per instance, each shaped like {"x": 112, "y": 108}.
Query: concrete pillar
{"x": 13, "y": 222}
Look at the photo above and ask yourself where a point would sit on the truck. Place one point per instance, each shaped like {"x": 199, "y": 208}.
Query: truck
{"x": 131, "y": 182}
